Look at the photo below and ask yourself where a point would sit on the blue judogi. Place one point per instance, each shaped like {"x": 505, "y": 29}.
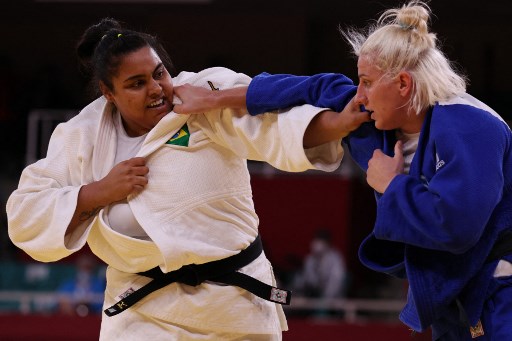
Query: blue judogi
{"x": 436, "y": 225}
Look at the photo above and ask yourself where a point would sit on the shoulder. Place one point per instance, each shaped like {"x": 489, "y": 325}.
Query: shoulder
{"x": 90, "y": 113}
{"x": 216, "y": 78}
{"x": 83, "y": 126}
{"x": 466, "y": 113}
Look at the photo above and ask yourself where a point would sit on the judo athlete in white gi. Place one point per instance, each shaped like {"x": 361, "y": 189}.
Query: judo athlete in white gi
{"x": 149, "y": 189}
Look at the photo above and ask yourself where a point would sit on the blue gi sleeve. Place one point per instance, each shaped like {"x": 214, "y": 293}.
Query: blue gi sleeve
{"x": 448, "y": 207}
{"x": 268, "y": 92}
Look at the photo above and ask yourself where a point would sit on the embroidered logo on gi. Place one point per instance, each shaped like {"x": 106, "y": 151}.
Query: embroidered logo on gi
{"x": 126, "y": 293}
{"x": 439, "y": 163}
{"x": 477, "y": 330}
{"x": 278, "y": 295}
{"x": 181, "y": 137}
{"x": 212, "y": 86}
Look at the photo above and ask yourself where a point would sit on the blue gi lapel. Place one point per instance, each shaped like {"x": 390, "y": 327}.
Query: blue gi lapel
{"x": 419, "y": 156}
{"x": 388, "y": 146}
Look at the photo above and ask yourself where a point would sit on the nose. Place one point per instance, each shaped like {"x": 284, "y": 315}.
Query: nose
{"x": 155, "y": 89}
{"x": 360, "y": 97}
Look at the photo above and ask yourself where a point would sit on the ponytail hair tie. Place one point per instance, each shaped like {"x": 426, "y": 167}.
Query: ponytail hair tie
{"x": 405, "y": 27}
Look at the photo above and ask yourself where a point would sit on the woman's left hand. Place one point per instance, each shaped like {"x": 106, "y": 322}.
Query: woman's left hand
{"x": 194, "y": 99}
{"x": 382, "y": 169}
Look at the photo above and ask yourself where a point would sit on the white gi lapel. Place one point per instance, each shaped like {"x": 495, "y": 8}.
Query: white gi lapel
{"x": 104, "y": 152}
{"x": 168, "y": 126}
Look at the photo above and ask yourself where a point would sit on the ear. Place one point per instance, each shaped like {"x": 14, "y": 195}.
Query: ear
{"x": 106, "y": 92}
{"x": 406, "y": 83}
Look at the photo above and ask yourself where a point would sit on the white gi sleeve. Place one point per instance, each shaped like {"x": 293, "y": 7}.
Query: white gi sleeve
{"x": 40, "y": 209}
{"x": 275, "y": 138}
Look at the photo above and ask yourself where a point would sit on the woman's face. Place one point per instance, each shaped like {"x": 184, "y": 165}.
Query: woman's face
{"x": 386, "y": 98}
{"x": 142, "y": 91}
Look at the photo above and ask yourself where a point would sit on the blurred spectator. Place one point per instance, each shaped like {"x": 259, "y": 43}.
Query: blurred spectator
{"x": 324, "y": 273}
{"x": 82, "y": 294}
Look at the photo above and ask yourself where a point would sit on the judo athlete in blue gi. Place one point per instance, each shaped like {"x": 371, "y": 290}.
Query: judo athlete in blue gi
{"x": 440, "y": 162}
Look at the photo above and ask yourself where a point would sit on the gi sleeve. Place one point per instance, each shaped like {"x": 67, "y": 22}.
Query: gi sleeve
{"x": 275, "y": 138}
{"x": 40, "y": 209}
{"x": 268, "y": 92}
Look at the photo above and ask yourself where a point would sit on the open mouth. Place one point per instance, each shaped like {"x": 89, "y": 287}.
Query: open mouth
{"x": 156, "y": 104}
{"x": 362, "y": 108}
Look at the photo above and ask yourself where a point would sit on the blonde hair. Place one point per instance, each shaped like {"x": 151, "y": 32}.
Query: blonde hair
{"x": 401, "y": 41}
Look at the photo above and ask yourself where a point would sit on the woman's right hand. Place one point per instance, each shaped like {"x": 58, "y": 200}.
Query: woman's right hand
{"x": 127, "y": 177}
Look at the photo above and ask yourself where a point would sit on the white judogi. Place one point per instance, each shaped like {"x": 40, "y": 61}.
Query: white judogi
{"x": 196, "y": 208}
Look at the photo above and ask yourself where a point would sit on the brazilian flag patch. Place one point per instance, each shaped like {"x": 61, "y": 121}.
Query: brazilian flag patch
{"x": 181, "y": 137}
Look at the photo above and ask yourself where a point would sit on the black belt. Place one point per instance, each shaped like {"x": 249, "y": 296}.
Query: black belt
{"x": 502, "y": 247}
{"x": 221, "y": 271}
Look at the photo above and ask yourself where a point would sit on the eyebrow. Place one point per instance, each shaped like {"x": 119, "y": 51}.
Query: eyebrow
{"x": 131, "y": 78}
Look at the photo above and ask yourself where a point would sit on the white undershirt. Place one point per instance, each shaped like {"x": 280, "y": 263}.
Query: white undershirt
{"x": 410, "y": 144}
{"x": 120, "y": 216}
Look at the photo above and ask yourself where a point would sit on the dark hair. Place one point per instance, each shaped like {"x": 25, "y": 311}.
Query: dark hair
{"x": 102, "y": 46}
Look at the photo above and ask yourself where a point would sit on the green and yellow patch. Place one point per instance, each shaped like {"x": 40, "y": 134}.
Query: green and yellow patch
{"x": 181, "y": 137}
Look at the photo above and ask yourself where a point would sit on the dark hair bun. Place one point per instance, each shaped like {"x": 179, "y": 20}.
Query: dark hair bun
{"x": 90, "y": 40}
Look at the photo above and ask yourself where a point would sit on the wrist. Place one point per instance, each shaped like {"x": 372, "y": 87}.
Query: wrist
{"x": 95, "y": 194}
{"x": 216, "y": 100}
{"x": 229, "y": 98}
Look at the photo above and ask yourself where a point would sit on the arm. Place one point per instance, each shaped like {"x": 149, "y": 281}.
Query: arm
{"x": 42, "y": 206}
{"x": 326, "y": 90}
{"x": 331, "y": 126}
{"x": 325, "y": 127}
{"x": 125, "y": 178}
{"x": 274, "y": 138}
{"x": 270, "y": 92}
{"x": 196, "y": 99}
{"x": 48, "y": 214}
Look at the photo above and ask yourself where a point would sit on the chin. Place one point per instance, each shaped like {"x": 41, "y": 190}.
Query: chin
{"x": 162, "y": 114}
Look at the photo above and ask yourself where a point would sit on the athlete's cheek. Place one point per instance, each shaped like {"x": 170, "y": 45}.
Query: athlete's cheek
{"x": 168, "y": 90}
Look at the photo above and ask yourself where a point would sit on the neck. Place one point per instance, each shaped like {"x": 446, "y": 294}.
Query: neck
{"x": 414, "y": 124}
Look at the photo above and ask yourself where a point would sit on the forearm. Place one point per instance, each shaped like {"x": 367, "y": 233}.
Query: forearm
{"x": 196, "y": 100}
{"x": 268, "y": 92}
{"x": 330, "y": 125}
{"x": 90, "y": 201}
{"x": 230, "y": 98}
{"x": 325, "y": 127}
{"x": 127, "y": 177}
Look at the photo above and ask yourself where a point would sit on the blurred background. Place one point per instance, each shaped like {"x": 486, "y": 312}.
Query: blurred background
{"x": 303, "y": 216}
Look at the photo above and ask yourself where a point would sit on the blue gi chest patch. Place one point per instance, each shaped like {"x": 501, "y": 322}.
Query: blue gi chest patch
{"x": 181, "y": 137}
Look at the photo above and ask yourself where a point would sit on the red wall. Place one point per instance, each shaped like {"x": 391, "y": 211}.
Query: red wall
{"x": 292, "y": 207}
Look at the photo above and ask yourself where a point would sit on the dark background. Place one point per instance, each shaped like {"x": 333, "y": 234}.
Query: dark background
{"x": 38, "y": 67}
